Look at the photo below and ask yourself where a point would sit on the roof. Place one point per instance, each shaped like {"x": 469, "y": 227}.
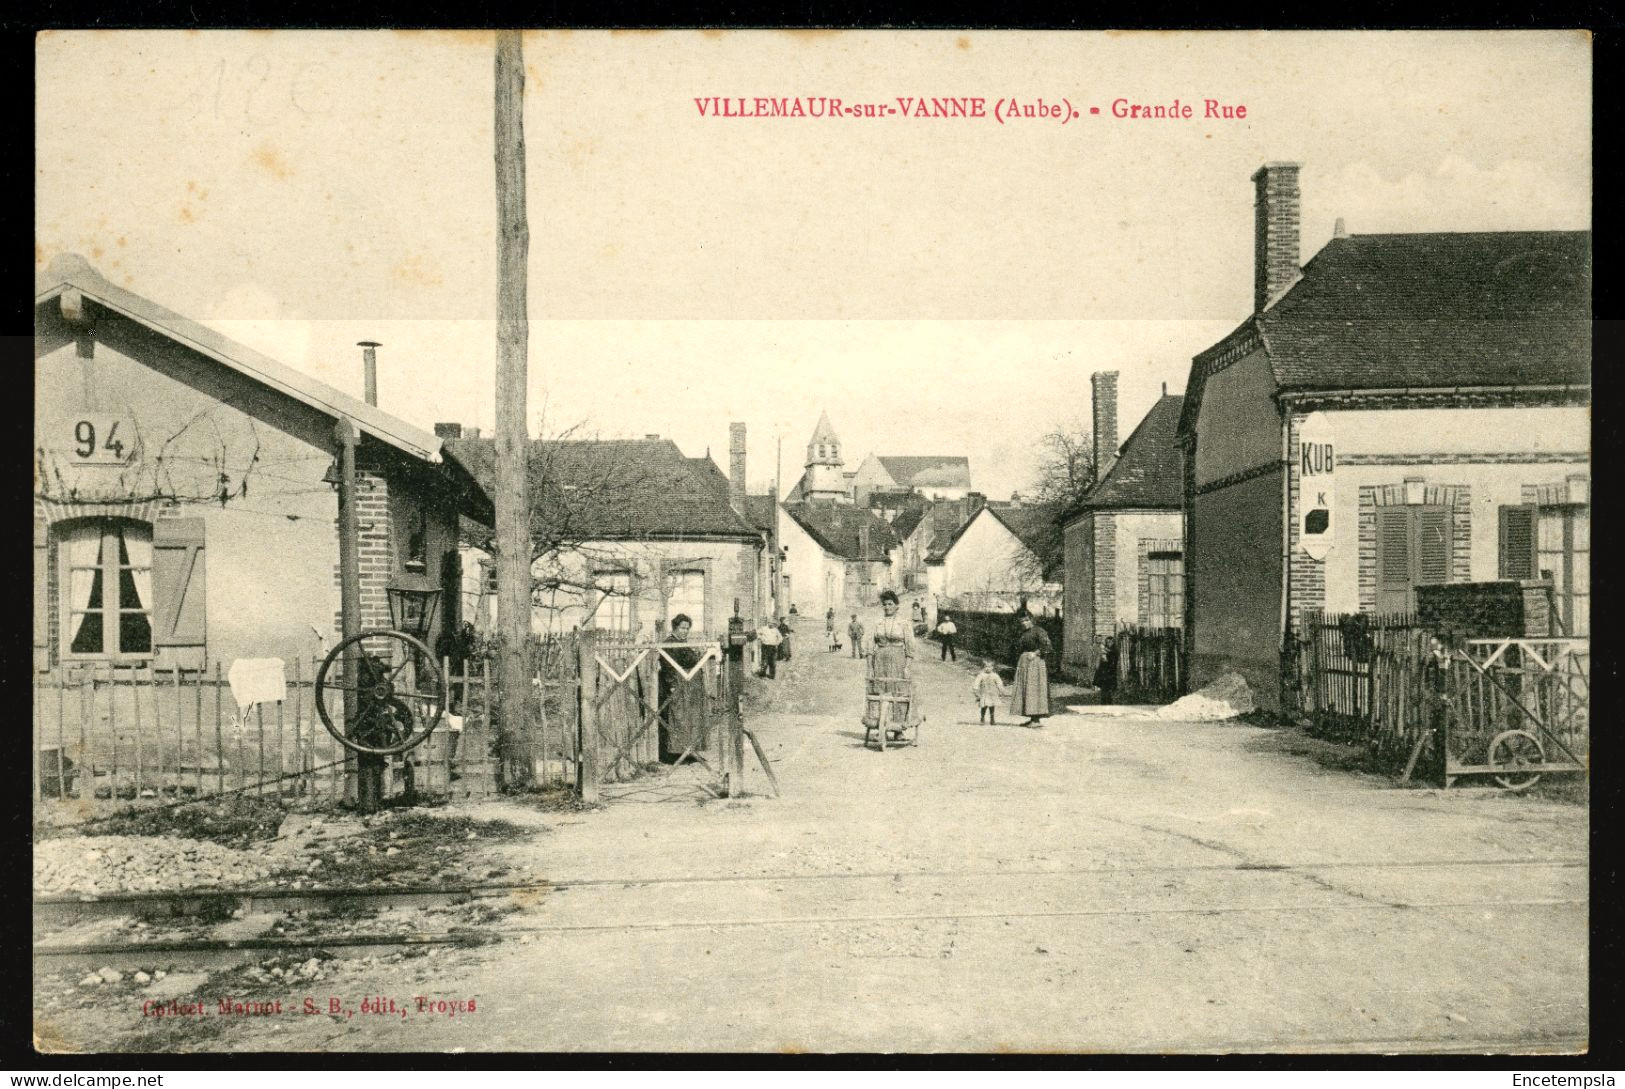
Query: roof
{"x": 825, "y": 431}
{"x": 838, "y": 528}
{"x": 1148, "y": 472}
{"x": 71, "y": 272}
{"x": 710, "y": 472}
{"x": 1025, "y": 524}
{"x": 759, "y": 510}
{"x": 928, "y": 472}
{"x": 1426, "y": 311}
{"x": 616, "y": 489}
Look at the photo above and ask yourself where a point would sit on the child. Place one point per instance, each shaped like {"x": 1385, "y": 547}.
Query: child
{"x": 988, "y": 688}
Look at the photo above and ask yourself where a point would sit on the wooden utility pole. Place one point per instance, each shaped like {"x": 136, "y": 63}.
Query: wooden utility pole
{"x": 512, "y": 499}
{"x": 777, "y": 566}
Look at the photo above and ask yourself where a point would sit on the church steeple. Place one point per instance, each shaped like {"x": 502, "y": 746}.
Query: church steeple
{"x": 824, "y": 479}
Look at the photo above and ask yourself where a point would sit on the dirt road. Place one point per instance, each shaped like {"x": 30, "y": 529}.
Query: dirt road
{"x": 1107, "y": 884}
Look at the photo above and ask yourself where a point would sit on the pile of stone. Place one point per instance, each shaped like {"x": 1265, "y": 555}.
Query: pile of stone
{"x": 112, "y": 864}
{"x": 1227, "y": 697}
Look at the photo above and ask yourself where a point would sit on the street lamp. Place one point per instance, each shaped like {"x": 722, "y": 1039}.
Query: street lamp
{"x": 412, "y": 603}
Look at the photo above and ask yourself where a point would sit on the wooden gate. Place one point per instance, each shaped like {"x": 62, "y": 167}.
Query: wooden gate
{"x": 658, "y": 721}
{"x": 1519, "y": 708}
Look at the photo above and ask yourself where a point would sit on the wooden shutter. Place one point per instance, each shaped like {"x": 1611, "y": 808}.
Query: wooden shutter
{"x": 1432, "y": 545}
{"x": 179, "y": 609}
{"x": 1518, "y": 541}
{"x": 42, "y": 599}
{"x": 1393, "y": 560}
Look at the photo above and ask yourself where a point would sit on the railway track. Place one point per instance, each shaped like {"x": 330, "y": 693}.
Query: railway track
{"x": 200, "y": 952}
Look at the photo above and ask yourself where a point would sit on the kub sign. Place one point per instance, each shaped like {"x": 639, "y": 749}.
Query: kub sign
{"x": 1317, "y": 465}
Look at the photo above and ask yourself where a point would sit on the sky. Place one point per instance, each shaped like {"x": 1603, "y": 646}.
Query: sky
{"x": 939, "y": 286}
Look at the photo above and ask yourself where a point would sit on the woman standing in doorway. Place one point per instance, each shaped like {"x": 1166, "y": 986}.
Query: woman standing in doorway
{"x": 682, "y": 694}
{"x": 1030, "y": 698}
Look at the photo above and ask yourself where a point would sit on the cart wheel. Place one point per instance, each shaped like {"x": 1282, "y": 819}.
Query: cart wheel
{"x": 1519, "y": 753}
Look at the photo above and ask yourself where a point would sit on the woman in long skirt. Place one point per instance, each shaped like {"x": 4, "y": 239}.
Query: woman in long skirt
{"x": 1029, "y": 697}
{"x": 683, "y": 696}
{"x": 888, "y": 668}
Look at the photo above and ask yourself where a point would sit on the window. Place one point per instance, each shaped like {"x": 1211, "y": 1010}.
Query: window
{"x": 614, "y": 611}
{"x": 107, "y": 582}
{"x": 688, "y": 597}
{"x": 1563, "y": 555}
{"x": 1413, "y": 549}
{"x": 1165, "y": 590}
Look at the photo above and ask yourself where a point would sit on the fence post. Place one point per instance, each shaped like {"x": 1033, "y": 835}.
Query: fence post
{"x": 587, "y": 719}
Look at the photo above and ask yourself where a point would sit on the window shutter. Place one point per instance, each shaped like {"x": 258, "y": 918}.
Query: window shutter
{"x": 1518, "y": 541}
{"x": 179, "y": 584}
{"x": 1433, "y": 545}
{"x": 1393, "y": 560}
{"x": 42, "y": 600}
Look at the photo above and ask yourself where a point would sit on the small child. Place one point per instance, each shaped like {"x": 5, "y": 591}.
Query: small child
{"x": 989, "y": 689}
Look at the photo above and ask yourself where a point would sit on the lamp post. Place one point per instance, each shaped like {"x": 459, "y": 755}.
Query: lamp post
{"x": 413, "y": 601}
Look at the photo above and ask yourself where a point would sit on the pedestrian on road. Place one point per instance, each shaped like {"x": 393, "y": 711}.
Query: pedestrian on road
{"x": 946, "y": 634}
{"x": 1436, "y": 704}
{"x": 1106, "y": 671}
{"x": 683, "y": 695}
{"x": 768, "y": 638}
{"x": 888, "y": 672}
{"x": 917, "y": 611}
{"x": 785, "y": 631}
{"x": 1031, "y": 698}
{"x": 854, "y": 632}
{"x": 829, "y": 630}
{"x": 988, "y": 687}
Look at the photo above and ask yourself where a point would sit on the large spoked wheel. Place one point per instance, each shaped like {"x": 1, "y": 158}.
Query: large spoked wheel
{"x": 380, "y": 693}
{"x": 1516, "y": 756}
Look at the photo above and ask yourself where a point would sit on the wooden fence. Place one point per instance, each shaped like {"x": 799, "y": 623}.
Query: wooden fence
{"x": 993, "y": 635}
{"x": 1151, "y": 665}
{"x": 112, "y": 736}
{"x": 1362, "y": 678}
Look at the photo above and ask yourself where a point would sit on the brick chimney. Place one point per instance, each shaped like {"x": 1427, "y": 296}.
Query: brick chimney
{"x": 1103, "y": 386}
{"x": 1275, "y": 231}
{"x": 736, "y": 467}
{"x": 448, "y": 430}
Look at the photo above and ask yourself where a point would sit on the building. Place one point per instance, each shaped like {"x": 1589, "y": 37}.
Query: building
{"x": 1124, "y": 542}
{"x": 626, "y": 534}
{"x": 185, "y": 512}
{"x": 823, "y": 479}
{"x": 1406, "y": 409}
{"x": 935, "y": 477}
{"x": 836, "y": 556}
{"x": 992, "y": 563}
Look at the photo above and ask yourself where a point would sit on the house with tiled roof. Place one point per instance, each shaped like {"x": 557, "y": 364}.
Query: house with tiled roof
{"x": 626, "y": 533}
{"x": 1403, "y": 410}
{"x": 185, "y": 512}
{"x": 993, "y": 562}
{"x": 1123, "y": 542}
{"x": 836, "y": 555}
{"x": 935, "y": 476}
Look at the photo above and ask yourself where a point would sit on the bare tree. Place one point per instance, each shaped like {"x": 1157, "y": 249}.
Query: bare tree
{"x": 1065, "y": 473}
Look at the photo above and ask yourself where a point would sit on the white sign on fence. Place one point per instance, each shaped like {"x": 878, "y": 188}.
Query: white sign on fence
{"x": 1317, "y": 492}
{"x": 257, "y": 680}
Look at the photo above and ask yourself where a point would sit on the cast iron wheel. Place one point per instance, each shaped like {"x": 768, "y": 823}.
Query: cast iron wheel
{"x": 396, "y": 687}
{"x": 1517, "y": 756}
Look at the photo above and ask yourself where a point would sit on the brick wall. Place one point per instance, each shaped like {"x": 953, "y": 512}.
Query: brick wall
{"x": 1104, "y": 594}
{"x": 376, "y": 552}
{"x": 1458, "y": 497}
{"x": 1485, "y": 610}
{"x": 1306, "y": 575}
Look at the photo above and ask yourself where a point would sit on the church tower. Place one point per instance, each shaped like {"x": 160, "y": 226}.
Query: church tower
{"x": 824, "y": 479}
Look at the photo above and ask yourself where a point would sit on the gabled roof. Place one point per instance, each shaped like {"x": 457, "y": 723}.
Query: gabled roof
{"x": 1025, "y": 524}
{"x": 1425, "y": 311}
{"x": 710, "y": 472}
{"x": 928, "y": 472}
{"x": 1148, "y": 472}
{"x": 839, "y": 529}
{"x": 70, "y": 272}
{"x": 617, "y": 489}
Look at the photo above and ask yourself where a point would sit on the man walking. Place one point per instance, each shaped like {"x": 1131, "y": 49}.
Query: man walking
{"x": 768, "y": 638}
{"x": 854, "y": 632}
{"x": 946, "y": 633}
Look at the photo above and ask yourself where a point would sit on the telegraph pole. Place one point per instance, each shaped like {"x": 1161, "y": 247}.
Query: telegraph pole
{"x": 512, "y": 499}
{"x": 777, "y": 566}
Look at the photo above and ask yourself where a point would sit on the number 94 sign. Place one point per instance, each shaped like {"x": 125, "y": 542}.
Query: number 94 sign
{"x": 93, "y": 439}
